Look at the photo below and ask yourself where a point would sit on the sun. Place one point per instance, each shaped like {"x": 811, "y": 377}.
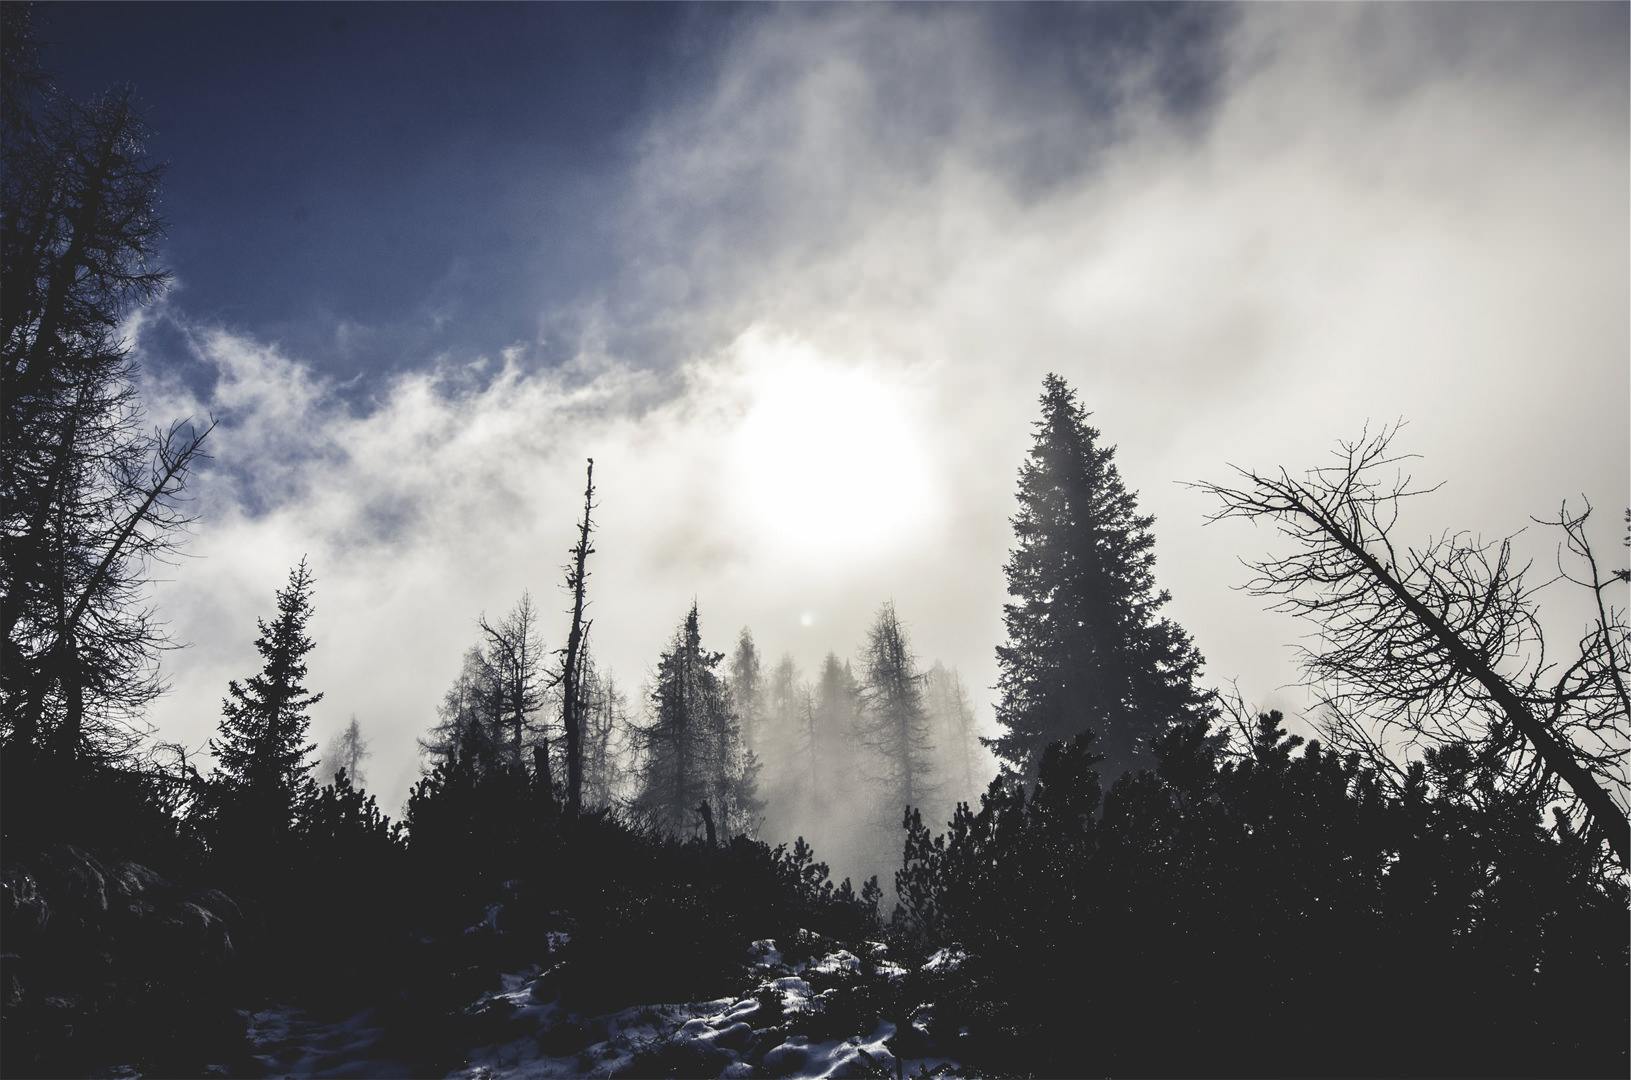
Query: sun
{"x": 830, "y": 457}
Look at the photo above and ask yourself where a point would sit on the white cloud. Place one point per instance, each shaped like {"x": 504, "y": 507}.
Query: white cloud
{"x": 1384, "y": 212}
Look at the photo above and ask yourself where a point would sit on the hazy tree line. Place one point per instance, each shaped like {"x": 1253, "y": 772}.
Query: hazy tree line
{"x": 1151, "y": 858}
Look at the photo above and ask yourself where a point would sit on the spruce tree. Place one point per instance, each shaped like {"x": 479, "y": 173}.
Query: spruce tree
{"x": 1085, "y": 649}
{"x": 261, "y": 773}
{"x": 692, "y": 752}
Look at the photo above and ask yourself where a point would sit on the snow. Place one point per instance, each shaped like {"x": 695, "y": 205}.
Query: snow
{"x": 946, "y": 961}
{"x": 737, "y": 1036}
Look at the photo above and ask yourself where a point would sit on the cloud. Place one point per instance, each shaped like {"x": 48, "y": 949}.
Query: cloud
{"x": 853, "y": 250}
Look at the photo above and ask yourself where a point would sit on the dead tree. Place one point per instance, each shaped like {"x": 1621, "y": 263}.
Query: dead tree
{"x": 1423, "y": 648}
{"x": 572, "y": 655}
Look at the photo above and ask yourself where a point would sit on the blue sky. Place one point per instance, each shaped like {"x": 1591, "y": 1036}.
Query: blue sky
{"x": 792, "y": 276}
{"x": 372, "y": 184}
{"x": 435, "y": 175}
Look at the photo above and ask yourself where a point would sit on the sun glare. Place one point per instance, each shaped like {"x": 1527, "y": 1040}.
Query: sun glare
{"x": 829, "y": 456}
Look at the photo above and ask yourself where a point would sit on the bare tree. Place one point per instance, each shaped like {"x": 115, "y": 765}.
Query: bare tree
{"x": 1425, "y": 648}
{"x": 571, "y": 677}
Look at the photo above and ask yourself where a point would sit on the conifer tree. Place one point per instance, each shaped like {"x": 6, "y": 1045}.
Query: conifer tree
{"x": 261, "y": 773}
{"x": 747, "y": 688}
{"x": 88, "y": 497}
{"x": 893, "y": 724}
{"x": 837, "y": 710}
{"x": 1086, "y": 649}
{"x": 345, "y": 753}
{"x": 514, "y": 657}
{"x": 471, "y": 713}
{"x": 605, "y": 723}
{"x": 692, "y": 751}
{"x": 953, "y": 721}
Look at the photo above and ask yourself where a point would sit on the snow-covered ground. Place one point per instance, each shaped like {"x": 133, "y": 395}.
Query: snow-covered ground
{"x": 752, "y": 1035}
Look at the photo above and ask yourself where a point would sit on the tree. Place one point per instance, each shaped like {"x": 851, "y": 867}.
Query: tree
{"x": 952, "y": 716}
{"x": 893, "y": 725}
{"x": 471, "y": 713}
{"x": 261, "y": 771}
{"x": 605, "y": 723}
{"x": 87, "y": 497}
{"x": 573, "y": 654}
{"x": 512, "y": 657}
{"x": 692, "y": 750}
{"x": 1443, "y": 645}
{"x": 345, "y": 753}
{"x": 836, "y": 717}
{"x": 748, "y": 688}
{"x": 1085, "y": 648}
{"x": 781, "y": 739}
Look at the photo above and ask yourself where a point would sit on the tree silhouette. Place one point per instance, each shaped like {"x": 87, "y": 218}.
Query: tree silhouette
{"x": 573, "y": 654}
{"x": 1443, "y": 645}
{"x": 893, "y": 725}
{"x": 1085, "y": 649}
{"x": 261, "y": 771}
{"x": 692, "y": 750}
{"x": 87, "y": 496}
{"x": 514, "y": 657}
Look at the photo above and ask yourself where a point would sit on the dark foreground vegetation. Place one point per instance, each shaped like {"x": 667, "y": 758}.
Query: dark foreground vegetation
{"x": 1158, "y": 882}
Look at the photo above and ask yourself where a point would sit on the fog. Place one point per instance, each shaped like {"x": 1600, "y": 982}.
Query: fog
{"x": 848, "y": 254}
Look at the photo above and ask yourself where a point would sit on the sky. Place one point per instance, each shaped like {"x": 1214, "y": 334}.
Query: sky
{"x": 792, "y": 276}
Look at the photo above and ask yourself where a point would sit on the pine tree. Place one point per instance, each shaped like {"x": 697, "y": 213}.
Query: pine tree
{"x": 345, "y": 753}
{"x": 953, "y": 721}
{"x": 747, "y": 688}
{"x": 692, "y": 751}
{"x": 471, "y": 714}
{"x": 605, "y": 723}
{"x": 514, "y": 656}
{"x": 836, "y": 714}
{"x": 1085, "y": 648}
{"x": 893, "y": 723}
{"x": 261, "y": 773}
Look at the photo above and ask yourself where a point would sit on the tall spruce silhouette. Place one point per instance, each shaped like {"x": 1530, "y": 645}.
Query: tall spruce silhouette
{"x": 1085, "y": 649}
{"x": 262, "y": 756}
